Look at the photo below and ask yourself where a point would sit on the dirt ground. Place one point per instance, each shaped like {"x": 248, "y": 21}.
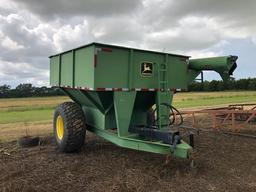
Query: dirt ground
{"x": 223, "y": 163}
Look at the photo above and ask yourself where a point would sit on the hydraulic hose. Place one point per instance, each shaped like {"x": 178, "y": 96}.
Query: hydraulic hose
{"x": 172, "y": 116}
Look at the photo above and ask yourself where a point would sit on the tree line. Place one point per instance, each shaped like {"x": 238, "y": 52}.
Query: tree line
{"x": 28, "y": 90}
{"x": 232, "y": 84}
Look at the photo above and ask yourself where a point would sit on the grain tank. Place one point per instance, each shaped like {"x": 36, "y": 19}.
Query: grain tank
{"x": 125, "y": 96}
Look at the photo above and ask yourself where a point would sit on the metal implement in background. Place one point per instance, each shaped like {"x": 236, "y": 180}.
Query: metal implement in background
{"x": 125, "y": 95}
{"x": 234, "y": 117}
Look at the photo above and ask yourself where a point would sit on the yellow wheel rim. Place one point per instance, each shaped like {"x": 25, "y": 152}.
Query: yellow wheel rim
{"x": 60, "y": 127}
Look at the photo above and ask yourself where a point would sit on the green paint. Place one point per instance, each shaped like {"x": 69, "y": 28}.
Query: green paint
{"x": 163, "y": 111}
{"x": 84, "y": 67}
{"x": 123, "y": 103}
{"x": 54, "y": 70}
{"x": 223, "y": 65}
{"x": 118, "y": 68}
{"x": 106, "y": 66}
{"x": 182, "y": 150}
{"x": 66, "y": 69}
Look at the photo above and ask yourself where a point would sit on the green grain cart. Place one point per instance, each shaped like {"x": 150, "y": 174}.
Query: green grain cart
{"x": 125, "y": 96}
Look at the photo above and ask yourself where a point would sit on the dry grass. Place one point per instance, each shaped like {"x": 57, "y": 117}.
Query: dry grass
{"x": 209, "y": 99}
{"x": 22, "y": 114}
{"x": 30, "y": 103}
{"x": 204, "y": 95}
{"x": 12, "y": 131}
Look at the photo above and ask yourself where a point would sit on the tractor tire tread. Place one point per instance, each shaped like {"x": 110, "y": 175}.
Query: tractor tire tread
{"x": 74, "y": 123}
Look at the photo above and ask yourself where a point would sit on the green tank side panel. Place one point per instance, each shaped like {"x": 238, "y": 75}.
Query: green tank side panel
{"x": 84, "y": 67}
{"x": 67, "y": 69}
{"x": 111, "y": 69}
{"x": 103, "y": 66}
{"x": 177, "y": 72}
{"x": 54, "y": 70}
{"x": 122, "y": 68}
{"x": 73, "y": 68}
{"x": 140, "y": 81}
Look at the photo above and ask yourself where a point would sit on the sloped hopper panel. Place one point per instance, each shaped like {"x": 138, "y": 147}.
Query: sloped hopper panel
{"x": 99, "y": 107}
{"x": 101, "y": 100}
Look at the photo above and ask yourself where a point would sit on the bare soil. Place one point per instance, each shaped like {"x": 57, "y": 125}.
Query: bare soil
{"x": 223, "y": 163}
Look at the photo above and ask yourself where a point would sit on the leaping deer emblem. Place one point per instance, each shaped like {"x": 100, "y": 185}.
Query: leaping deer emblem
{"x": 146, "y": 68}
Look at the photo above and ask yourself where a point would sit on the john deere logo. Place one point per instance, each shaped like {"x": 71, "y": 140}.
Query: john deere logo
{"x": 146, "y": 69}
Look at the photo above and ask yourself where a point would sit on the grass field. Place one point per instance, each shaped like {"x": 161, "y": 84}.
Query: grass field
{"x": 35, "y": 114}
{"x": 204, "y": 99}
{"x": 32, "y": 115}
{"x": 28, "y": 109}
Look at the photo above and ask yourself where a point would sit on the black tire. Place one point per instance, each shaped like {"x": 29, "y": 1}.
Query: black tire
{"x": 74, "y": 127}
{"x": 28, "y": 141}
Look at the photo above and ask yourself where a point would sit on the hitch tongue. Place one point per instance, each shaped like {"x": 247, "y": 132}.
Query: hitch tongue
{"x": 166, "y": 137}
{"x": 176, "y": 140}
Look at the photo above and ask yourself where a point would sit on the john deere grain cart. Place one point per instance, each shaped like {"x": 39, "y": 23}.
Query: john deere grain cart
{"x": 125, "y": 96}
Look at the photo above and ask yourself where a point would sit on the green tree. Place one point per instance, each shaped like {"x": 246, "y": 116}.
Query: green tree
{"x": 252, "y": 84}
{"x": 4, "y": 90}
{"x": 24, "y": 90}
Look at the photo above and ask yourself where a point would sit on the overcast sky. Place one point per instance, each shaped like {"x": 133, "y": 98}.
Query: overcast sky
{"x": 31, "y": 30}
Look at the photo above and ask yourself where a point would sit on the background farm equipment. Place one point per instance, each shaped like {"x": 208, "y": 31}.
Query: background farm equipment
{"x": 233, "y": 117}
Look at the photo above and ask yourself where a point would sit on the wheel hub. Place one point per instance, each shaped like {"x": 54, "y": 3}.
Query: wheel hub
{"x": 60, "y": 127}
